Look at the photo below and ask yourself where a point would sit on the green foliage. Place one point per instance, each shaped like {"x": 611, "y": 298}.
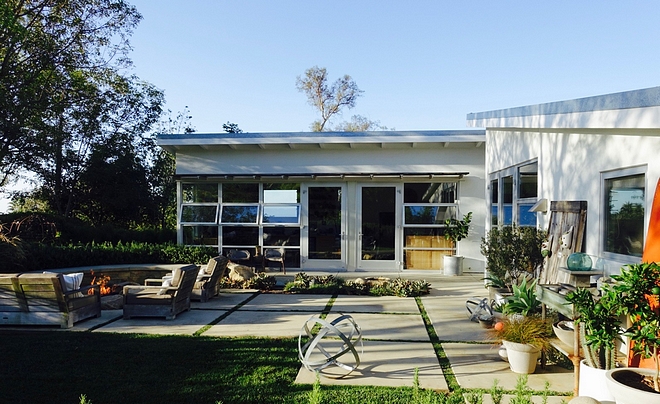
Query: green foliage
{"x": 304, "y": 283}
{"x": 599, "y": 326}
{"x": 496, "y": 392}
{"x": 42, "y": 256}
{"x": 635, "y": 295}
{"x": 456, "y": 230}
{"x": 261, "y": 281}
{"x": 522, "y": 393}
{"x": 316, "y": 396}
{"x": 512, "y": 252}
{"x": 84, "y": 400}
{"x": 523, "y": 301}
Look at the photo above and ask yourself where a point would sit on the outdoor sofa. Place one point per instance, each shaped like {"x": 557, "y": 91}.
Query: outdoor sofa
{"x": 46, "y": 299}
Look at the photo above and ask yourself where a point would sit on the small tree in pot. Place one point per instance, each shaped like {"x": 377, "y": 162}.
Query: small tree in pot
{"x": 637, "y": 290}
{"x": 455, "y": 231}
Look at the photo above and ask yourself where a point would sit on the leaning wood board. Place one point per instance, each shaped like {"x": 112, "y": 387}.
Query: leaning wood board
{"x": 564, "y": 215}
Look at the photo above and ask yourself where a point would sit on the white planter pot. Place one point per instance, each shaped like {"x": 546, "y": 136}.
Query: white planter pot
{"x": 522, "y": 357}
{"x": 628, "y": 395}
{"x": 453, "y": 265}
{"x": 593, "y": 383}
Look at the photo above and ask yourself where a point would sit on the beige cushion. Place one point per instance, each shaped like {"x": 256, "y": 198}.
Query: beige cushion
{"x": 176, "y": 277}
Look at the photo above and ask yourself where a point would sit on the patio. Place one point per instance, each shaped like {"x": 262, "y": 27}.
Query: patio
{"x": 396, "y": 341}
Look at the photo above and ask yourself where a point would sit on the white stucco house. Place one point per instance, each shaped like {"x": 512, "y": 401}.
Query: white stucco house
{"x": 371, "y": 201}
{"x": 603, "y": 150}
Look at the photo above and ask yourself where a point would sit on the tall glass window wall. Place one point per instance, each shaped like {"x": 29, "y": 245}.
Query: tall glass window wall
{"x": 426, "y": 207}
{"x": 243, "y": 216}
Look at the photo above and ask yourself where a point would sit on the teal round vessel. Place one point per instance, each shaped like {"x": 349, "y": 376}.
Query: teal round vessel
{"x": 579, "y": 262}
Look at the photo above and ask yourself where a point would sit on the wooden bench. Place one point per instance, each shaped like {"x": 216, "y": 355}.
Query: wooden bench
{"x": 42, "y": 299}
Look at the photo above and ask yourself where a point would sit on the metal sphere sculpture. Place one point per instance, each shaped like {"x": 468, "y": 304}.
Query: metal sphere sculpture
{"x": 328, "y": 342}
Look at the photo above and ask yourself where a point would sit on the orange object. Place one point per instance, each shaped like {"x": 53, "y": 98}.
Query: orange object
{"x": 652, "y": 244}
{"x": 651, "y": 254}
{"x": 499, "y": 326}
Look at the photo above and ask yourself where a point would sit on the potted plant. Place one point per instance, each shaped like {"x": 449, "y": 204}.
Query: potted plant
{"x": 524, "y": 338}
{"x": 637, "y": 290}
{"x": 512, "y": 253}
{"x": 599, "y": 329}
{"x": 523, "y": 299}
{"x": 455, "y": 231}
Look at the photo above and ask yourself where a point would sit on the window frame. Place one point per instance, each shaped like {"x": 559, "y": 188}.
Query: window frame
{"x": 612, "y": 175}
{"x": 498, "y": 177}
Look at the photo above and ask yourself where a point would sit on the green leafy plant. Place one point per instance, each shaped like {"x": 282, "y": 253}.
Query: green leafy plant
{"x": 637, "y": 292}
{"x": 599, "y": 326}
{"x": 496, "y": 392}
{"x": 512, "y": 252}
{"x": 456, "y": 230}
{"x": 315, "y": 396}
{"x": 523, "y": 301}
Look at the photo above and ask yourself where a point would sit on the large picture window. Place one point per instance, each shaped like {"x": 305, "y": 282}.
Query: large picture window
{"x": 624, "y": 207}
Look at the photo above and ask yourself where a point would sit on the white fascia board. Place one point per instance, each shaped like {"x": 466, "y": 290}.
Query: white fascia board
{"x": 638, "y": 109}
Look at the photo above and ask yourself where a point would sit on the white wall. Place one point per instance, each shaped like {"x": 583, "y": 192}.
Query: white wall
{"x": 571, "y": 163}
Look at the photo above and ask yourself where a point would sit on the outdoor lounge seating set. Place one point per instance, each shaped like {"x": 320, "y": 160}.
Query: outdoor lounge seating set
{"x": 172, "y": 294}
{"x": 50, "y": 298}
{"x": 46, "y": 299}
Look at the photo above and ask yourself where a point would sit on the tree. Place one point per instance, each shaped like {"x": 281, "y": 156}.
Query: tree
{"x": 359, "y": 123}
{"x": 60, "y": 69}
{"x": 231, "y": 127}
{"x": 329, "y": 100}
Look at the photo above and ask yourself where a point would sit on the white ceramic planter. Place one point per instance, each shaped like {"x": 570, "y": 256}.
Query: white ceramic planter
{"x": 627, "y": 395}
{"x": 453, "y": 265}
{"x": 593, "y": 383}
{"x": 522, "y": 357}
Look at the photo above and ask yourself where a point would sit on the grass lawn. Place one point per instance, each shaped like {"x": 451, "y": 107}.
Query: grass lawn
{"x": 58, "y": 367}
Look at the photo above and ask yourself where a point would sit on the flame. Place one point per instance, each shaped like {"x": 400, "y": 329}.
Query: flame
{"x": 102, "y": 281}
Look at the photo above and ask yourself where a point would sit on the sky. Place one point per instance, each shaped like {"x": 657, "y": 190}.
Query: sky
{"x": 423, "y": 65}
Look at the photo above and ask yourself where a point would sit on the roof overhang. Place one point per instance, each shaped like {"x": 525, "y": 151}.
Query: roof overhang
{"x": 455, "y": 176}
{"x": 321, "y": 140}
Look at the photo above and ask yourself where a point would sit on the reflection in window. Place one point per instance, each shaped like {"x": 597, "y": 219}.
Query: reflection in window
{"x": 200, "y": 235}
{"x": 525, "y": 217}
{"x": 200, "y": 192}
{"x": 528, "y": 181}
{"x": 198, "y": 214}
{"x": 281, "y": 193}
{"x": 281, "y": 214}
{"x": 281, "y": 236}
{"x": 240, "y": 235}
{"x": 624, "y": 216}
{"x": 494, "y": 202}
{"x": 429, "y": 214}
{"x": 239, "y": 214}
{"x": 240, "y": 193}
{"x": 437, "y": 192}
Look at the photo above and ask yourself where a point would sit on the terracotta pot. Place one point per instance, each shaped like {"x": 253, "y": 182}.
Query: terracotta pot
{"x": 624, "y": 394}
{"x": 522, "y": 357}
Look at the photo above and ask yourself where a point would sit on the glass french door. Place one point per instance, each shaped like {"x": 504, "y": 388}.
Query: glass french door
{"x": 379, "y": 221}
{"x": 324, "y": 226}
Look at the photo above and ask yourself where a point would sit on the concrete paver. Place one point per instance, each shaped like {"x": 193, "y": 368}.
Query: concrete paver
{"x": 224, "y": 301}
{"x": 372, "y": 304}
{"x": 184, "y": 323}
{"x": 393, "y": 327}
{"x": 260, "y": 324}
{"x": 288, "y": 302}
{"x": 386, "y": 364}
